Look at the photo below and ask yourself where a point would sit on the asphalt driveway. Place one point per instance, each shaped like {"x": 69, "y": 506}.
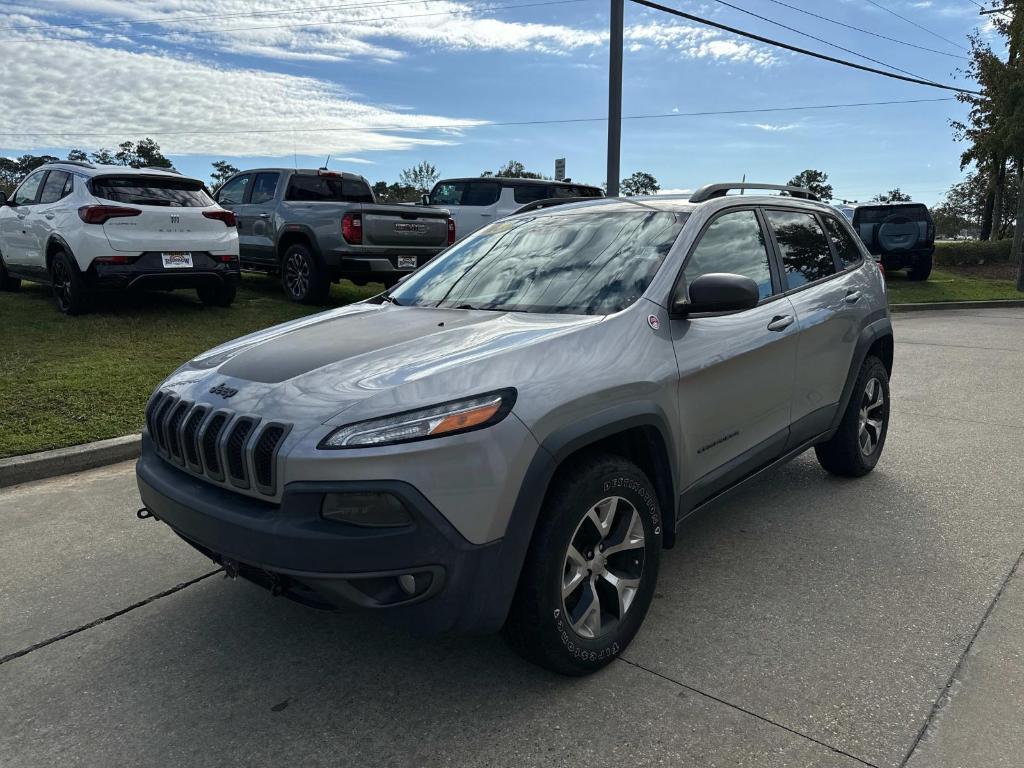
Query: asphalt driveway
{"x": 804, "y": 621}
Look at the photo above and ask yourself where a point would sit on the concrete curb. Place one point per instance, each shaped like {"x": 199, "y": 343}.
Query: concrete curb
{"x": 64, "y": 461}
{"x": 924, "y": 307}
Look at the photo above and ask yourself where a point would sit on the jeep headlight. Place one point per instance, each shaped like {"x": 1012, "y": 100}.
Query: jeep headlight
{"x": 449, "y": 418}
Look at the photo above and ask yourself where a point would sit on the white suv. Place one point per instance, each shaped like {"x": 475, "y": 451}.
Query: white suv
{"x": 83, "y": 228}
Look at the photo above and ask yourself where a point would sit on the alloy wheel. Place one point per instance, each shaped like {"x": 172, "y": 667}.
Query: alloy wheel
{"x": 61, "y": 285}
{"x": 872, "y": 417}
{"x": 603, "y": 567}
{"x": 296, "y": 275}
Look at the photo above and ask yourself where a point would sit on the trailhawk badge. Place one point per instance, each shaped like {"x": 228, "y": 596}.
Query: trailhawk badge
{"x": 654, "y": 322}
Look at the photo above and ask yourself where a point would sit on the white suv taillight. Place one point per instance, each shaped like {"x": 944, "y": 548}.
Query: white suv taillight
{"x": 98, "y": 214}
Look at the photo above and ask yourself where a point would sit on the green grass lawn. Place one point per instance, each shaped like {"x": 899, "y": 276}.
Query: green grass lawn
{"x": 70, "y": 380}
{"x": 950, "y": 284}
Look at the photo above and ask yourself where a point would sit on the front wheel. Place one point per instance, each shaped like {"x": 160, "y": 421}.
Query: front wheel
{"x": 591, "y": 569}
{"x": 857, "y": 445}
{"x": 70, "y": 293}
{"x": 8, "y": 283}
{"x": 221, "y": 295}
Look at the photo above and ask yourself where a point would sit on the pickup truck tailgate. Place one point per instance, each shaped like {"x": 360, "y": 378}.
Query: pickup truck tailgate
{"x": 405, "y": 225}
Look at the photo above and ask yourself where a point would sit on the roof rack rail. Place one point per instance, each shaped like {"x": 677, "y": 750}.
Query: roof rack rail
{"x": 710, "y": 191}
{"x": 79, "y": 163}
{"x": 158, "y": 168}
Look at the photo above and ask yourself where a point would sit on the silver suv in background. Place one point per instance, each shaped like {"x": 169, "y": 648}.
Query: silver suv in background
{"x": 315, "y": 227}
{"x": 511, "y": 437}
{"x": 475, "y": 202}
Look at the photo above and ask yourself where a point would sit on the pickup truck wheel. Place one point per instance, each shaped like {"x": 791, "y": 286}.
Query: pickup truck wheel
{"x": 222, "y": 295}
{"x": 589, "y": 575}
{"x": 8, "y": 283}
{"x": 920, "y": 269}
{"x": 856, "y": 447}
{"x": 70, "y": 293}
{"x": 303, "y": 278}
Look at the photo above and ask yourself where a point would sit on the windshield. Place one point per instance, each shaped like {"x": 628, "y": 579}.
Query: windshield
{"x": 581, "y": 263}
{"x": 152, "y": 190}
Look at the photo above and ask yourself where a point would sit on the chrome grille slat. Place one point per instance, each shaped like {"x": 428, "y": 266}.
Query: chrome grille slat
{"x": 217, "y": 444}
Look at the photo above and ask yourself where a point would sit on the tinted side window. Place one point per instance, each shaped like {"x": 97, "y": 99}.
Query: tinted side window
{"x": 733, "y": 243}
{"x": 264, "y": 187}
{"x": 328, "y": 189}
{"x": 531, "y": 193}
{"x": 466, "y": 193}
{"x": 56, "y": 186}
{"x": 26, "y": 194}
{"x": 233, "y": 193}
{"x": 849, "y": 253}
{"x": 356, "y": 191}
{"x": 559, "y": 191}
{"x": 806, "y": 256}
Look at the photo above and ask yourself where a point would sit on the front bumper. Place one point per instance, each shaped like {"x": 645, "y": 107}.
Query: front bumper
{"x": 146, "y": 272}
{"x": 291, "y": 550}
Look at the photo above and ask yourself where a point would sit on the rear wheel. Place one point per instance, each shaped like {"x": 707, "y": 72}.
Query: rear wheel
{"x": 8, "y": 283}
{"x": 856, "y": 447}
{"x": 591, "y": 569}
{"x": 70, "y": 293}
{"x": 303, "y": 277}
{"x": 220, "y": 295}
{"x": 920, "y": 269}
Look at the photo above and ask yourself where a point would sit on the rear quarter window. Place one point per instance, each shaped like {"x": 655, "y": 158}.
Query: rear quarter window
{"x": 529, "y": 193}
{"x": 476, "y": 193}
{"x": 151, "y": 190}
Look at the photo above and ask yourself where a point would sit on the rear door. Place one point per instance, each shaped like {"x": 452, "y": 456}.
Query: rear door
{"x": 472, "y": 203}
{"x": 736, "y": 370}
{"x": 827, "y": 297}
{"x": 259, "y": 218}
{"x": 50, "y": 213}
{"x": 16, "y": 226}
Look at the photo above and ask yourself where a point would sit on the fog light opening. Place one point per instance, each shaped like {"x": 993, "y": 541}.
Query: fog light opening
{"x": 366, "y": 510}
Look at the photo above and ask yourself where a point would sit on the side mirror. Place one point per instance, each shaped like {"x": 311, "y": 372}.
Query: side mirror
{"x": 425, "y": 199}
{"x": 718, "y": 292}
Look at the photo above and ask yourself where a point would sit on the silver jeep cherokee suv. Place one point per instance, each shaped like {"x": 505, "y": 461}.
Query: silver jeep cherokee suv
{"x": 511, "y": 436}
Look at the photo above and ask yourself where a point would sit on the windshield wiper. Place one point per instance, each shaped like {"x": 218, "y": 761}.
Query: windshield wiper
{"x": 391, "y": 300}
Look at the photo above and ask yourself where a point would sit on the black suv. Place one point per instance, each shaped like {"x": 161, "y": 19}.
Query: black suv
{"x": 900, "y": 235}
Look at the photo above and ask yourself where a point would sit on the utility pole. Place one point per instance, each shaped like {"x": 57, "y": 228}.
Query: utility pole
{"x": 615, "y": 95}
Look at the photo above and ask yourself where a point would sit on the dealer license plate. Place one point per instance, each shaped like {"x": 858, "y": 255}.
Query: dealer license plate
{"x": 177, "y": 260}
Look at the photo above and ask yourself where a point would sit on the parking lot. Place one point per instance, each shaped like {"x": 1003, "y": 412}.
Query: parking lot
{"x": 804, "y": 621}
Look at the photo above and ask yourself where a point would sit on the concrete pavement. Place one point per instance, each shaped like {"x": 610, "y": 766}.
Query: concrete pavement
{"x": 805, "y": 621}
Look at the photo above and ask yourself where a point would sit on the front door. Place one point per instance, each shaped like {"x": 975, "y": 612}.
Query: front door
{"x": 17, "y": 223}
{"x": 736, "y": 371}
{"x": 233, "y": 196}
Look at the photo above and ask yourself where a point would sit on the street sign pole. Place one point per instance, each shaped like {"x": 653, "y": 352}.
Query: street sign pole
{"x": 615, "y": 95}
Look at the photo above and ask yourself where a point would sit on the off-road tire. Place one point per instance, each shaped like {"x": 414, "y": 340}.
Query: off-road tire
{"x": 303, "y": 277}
{"x": 540, "y": 625}
{"x": 221, "y": 295}
{"x": 70, "y": 293}
{"x": 844, "y": 455}
{"x": 920, "y": 269}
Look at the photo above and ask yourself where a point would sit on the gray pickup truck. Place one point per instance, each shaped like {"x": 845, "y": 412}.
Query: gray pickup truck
{"x": 315, "y": 227}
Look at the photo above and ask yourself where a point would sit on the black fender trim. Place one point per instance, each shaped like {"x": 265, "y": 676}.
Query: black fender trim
{"x": 58, "y": 240}
{"x": 496, "y": 585}
{"x": 878, "y": 326}
{"x": 296, "y": 229}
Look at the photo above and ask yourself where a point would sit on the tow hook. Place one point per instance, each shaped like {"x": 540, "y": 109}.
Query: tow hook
{"x": 230, "y": 568}
{"x": 145, "y": 513}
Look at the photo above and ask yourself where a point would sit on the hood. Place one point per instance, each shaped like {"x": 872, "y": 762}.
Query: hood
{"x": 313, "y": 369}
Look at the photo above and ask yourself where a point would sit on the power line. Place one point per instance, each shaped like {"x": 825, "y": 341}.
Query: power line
{"x": 868, "y": 31}
{"x": 185, "y": 19}
{"x": 914, "y": 23}
{"x": 463, "y": 126}
{"x": 345, "y": 22}
{"x": 819, "y": 39}
{"x": 797, "y": 49}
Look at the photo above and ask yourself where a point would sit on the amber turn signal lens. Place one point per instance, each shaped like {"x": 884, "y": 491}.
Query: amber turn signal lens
{"x": 466, "y": 419}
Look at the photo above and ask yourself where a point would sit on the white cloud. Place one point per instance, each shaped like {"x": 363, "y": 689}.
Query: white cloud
{"x": 675, "y": 191}
{"x": 106, "y": 90}
{"x": 772, "y": 128}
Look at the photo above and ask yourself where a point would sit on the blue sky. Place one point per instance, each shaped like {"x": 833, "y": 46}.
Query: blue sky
{"x": 369, "y": 81}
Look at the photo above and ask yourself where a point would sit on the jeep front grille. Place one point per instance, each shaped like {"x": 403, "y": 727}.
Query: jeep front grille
{"x": 219, "y": 445}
